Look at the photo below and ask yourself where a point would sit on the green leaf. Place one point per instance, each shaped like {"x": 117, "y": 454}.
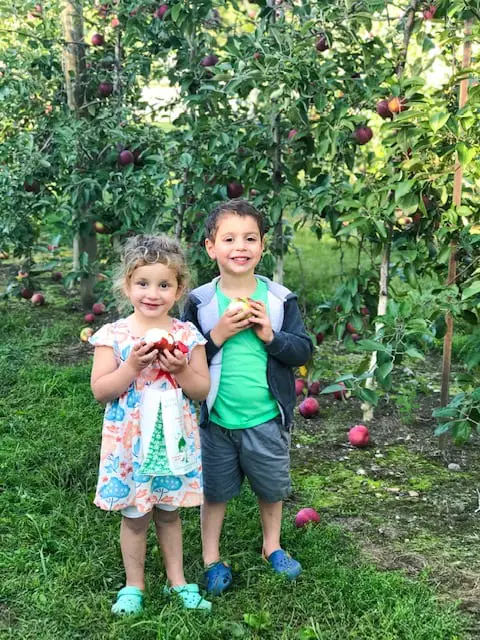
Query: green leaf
{"x": 411, "y": 352}
{"x": 332, "y": 388}
{"x": 438, "y": 119}
{"x": 465, "y": 154}
{"x": 371, "y": 345}
{"x": 444, "y": 412}
{"x": 368, "y": 395}
{"x": 384, "y": 370}
{"x": 443, "y": 428}
{"x": 175, "y": 11}
{"x": 472, "y": 290}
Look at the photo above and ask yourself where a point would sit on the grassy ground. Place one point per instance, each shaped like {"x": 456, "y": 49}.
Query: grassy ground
{"x": 60, "y": 563}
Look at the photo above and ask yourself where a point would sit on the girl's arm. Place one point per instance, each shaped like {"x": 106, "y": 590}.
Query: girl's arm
{"x": 193, "y": 376}
{"x": 108, "y": 380}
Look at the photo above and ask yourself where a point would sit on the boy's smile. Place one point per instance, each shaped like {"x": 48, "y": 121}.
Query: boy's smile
{"x": 237, "y": 246}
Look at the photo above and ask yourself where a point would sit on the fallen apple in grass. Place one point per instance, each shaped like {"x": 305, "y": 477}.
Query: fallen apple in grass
{"x": 299, "y": 386}
{"x": 86, "y": 333}
{"x": 38, "y": 299}
{"x": 319, "y": 338}
{"x": 358, "y": 436}
{"x": 314, "y": 388}
{"x": 98, "y": 308}
{"x": 89, "y": 318}
{"x": 306, "y": 515}
{"x": 26, "y": 293}
{"x": 309, "y": 407}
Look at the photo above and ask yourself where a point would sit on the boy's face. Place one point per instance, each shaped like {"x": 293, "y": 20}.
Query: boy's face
{"x": 237, "y": 246}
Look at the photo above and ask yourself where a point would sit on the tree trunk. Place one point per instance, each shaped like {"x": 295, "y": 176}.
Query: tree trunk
{"x": 73, "y": 60}
{"x": 384, "y": 268}
{"x": 457, "y": 199}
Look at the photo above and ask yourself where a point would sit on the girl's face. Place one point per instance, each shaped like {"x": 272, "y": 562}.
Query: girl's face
{"x": 153, "y": 290}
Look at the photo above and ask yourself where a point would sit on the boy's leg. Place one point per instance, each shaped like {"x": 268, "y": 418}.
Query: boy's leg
{"x": 271, "y": 516}
{"x": 212, "y": 515}
{"x": 168, "y": 527}
{"x": 133, "y": 543}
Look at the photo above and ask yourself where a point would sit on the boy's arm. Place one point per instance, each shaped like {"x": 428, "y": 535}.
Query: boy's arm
{"x": 190, "y": 314}
{"x": 292, "y": 344}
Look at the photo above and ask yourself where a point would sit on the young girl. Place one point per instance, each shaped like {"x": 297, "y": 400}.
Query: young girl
{"x": 151, "y": 278}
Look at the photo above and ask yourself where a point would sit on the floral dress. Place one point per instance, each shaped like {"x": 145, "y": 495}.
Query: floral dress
{"x": 120, "y": 484}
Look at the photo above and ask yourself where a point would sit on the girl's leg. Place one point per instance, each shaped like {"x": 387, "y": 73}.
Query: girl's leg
{"x": 133, "y": 542}
{"x": 212, "y": 515}
{"x": 271, "y": 516}
{"x": 169, "y": 534}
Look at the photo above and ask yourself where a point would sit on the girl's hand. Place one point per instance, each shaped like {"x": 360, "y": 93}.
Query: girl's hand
{"x": 141, "y": 356}
{"x": 260, "y": 321}
{"x": 174, "y": 362}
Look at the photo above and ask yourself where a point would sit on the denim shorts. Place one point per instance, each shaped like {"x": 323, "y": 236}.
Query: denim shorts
{"x": 260, "y": 453}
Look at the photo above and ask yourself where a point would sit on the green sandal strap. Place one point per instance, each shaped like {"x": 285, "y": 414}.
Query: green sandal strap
{"x": 190, "y": 596}
{"x": 129, "y": 602}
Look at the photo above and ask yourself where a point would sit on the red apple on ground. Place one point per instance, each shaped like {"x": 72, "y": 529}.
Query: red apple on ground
{"x": 57, "y": 276}
{"x": 160, "y": 339}
{"x": 105, "y": 89}
{"x": 339, "y": 395}
{"x": 161, "y": 11}
{"x": 383, "y": 110}
{"x": 299, "y": 386}
{"x": 319, "y": 337}
{"x": 309, "y": 407}
{"x": 26, "y": 293}
{"x": 306, "y": 515}
{"x": 362, "y": 134}
{"x": 314, "y": 388}
{"x": 98, "y": 40}
{"x": 234, "y": 189}
{"x": 89, "y": 318}
{"x": 358, "y": 435}
{"x": 37, "y": 299}
{"x": 98, "y": 308}
{"x": 86, "y": 333}
{"x": 125, "y": 158}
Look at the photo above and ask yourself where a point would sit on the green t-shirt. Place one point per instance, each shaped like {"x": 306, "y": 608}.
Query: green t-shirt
{"x": 243, "y": 399}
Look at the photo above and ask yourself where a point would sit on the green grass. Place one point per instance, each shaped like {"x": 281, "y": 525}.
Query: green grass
{"x": 60, "y": 564}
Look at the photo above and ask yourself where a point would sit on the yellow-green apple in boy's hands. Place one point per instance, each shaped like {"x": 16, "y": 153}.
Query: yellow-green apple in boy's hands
{"x": 233, "y": 321}
{"x": 141, "y": 355}
{"x": 260, "y": 321}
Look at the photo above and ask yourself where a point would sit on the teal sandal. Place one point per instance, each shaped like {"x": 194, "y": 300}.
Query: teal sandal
{"x": 190, "y": 596}
{"x": 129, "y": 602}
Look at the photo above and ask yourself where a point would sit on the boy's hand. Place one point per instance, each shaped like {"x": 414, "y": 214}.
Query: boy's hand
{"x": 231, "y": 323}
{"x": 141, "y": 356}
{"x": 260, "y": 321}
{"x": 173, "y": 362}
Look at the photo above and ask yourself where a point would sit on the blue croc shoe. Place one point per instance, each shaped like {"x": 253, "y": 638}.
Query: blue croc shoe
{"x": 217, "y": 578}
{"x": 283, "y": 563}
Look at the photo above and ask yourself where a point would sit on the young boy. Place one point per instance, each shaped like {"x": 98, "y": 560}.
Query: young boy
{"x": 247, "y": 415}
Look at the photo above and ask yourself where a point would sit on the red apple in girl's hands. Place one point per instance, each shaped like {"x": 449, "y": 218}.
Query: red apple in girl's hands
{"x": 161, "y": 339}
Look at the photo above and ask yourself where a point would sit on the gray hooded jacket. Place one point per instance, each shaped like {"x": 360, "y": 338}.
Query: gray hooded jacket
{"x": 291, "y": 345}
